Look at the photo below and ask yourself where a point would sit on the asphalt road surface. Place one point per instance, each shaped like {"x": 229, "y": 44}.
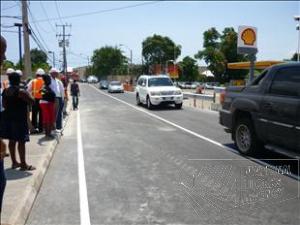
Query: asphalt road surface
{"x": 119, "y": 163}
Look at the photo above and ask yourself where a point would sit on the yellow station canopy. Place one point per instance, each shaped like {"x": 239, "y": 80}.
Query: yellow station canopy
{"x": 246, "y": 65}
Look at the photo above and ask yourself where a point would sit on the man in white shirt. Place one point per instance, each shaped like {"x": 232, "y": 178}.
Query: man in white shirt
{"x": 58, "y": 88}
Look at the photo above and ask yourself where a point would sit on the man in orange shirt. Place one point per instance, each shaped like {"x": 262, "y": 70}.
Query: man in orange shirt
{"x": 34, "y": 87}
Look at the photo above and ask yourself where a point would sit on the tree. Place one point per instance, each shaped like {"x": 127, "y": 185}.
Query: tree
{"x": 228, "y": 47}
{"x": 38, "y": 60}
{"x": 37, "y": 56}
{"x": 188, "y": 69}
{"x": 212, "y": 54}
{"x": 7, "y": 64}
{"x": 108, "y": 61}
{"x": 136, "y": 69}
{"x": 294, "y": 58}
{"x": 220, "y": 49}
{"x": 159, "y": 50}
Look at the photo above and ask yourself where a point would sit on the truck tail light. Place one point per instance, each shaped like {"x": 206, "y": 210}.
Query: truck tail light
{"x": 222, "y": 97}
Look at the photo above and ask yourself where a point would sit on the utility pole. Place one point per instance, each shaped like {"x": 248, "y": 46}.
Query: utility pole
{"x": 27, "y": 58}
{"x": 19, "y": 25}
{"x": 297, "y": 19}
{"x": 53, "y": 57}
{"x": 63, "y": 44}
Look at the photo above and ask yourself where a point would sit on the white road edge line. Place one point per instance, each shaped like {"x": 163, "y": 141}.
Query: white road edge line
{"x": 190, "y": 132}
{"x": 84, "y": 204}
{"x": 166, "y": 121}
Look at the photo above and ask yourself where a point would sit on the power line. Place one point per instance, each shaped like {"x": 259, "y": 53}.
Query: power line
{"x": 39, "y": 44}
{"x": 97, "y": 12}
{"x": 58, "y": 13}
{"x": 12, "y": 17}
{"x": 77, "y": 55}
{"x": 9, "y": 31}
{"x": 64, "y": 43}
{"x": 51, "y": 26}
{"x": 41, "y": 37}
{"x": 10, "y": 7}
{"x": 7, "y": 26}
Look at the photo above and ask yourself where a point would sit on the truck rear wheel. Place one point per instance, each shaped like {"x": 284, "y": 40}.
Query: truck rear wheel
{"x": 245, "y": 137}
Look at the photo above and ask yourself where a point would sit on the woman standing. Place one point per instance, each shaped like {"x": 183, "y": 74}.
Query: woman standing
{"x": 14, "y": 125}
{"x": 47, "y": 106}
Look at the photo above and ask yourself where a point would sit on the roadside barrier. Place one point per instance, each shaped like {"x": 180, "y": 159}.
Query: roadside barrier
{"x": 128, "y": 87}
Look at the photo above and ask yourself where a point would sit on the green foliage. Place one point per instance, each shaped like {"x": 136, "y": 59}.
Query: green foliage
{"x": 7, "y": 64}
{"x": 136, "y": 69}
{"x": 45, "y": 66}
{"x": 294, "y": 58}
{"x": 38, "y": 60}
{"x": 188, "y": 69}
{"x": 38, "y": 56}
{"x": 88, "y": 71}
{"x": 220, "y": 49}
{"x": 158, "y": 50}
{"x": 109, "y": 61}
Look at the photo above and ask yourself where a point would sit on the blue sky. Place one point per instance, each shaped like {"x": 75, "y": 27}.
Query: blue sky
{"x": 183, "y": 21}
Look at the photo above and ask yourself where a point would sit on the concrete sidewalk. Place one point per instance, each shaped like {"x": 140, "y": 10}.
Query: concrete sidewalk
{"x": 23, "y": 186}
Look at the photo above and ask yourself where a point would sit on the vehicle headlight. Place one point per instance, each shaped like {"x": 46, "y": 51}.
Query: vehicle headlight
{"x": 178, "y": 92}
{"x": 154, "y": 93}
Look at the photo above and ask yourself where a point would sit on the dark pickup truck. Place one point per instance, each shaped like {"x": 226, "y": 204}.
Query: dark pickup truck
{"x": 265, "y": 113}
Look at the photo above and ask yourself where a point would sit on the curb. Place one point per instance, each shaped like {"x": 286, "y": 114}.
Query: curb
{"x": 22, "y": 211}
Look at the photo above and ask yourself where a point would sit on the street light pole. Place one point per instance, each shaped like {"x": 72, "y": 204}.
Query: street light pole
{"x": 297, "y": 18}
{"x": 19, "y": 25}
{"x": 88, "y": 62}
{"x": 53, "y": 57}
{"x": 130, "y": 50}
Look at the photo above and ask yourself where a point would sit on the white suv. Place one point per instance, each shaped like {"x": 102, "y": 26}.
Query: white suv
{"x": 157, "y": 89}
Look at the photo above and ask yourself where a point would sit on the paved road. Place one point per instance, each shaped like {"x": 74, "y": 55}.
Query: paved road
{"x": 157, "y": 167}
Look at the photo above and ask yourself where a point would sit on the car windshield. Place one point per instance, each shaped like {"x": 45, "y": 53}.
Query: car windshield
{"x": 161, "y": 81}
{"x": 115, "y": 83}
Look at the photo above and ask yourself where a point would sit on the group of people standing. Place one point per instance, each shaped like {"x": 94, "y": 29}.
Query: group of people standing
{"x": 44, "y": 97}
{"x": 48, "y": 92}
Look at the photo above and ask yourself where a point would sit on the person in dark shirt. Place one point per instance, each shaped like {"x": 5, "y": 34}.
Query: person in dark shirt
{"x": 75, "y": 92}
{"x": 14, "y": 126}
{"x": 2, "y": 144}
{"x": 47, "y": 106}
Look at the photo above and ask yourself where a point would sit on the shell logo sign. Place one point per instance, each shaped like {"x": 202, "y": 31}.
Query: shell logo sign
{"x": 249, "y": 36}
{"x": 247, "y": 40}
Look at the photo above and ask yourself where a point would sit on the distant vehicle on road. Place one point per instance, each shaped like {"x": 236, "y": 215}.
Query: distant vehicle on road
{"x": 156, "y": 90}
{"x": 188, "y": 85}
{"x": 181, "y": 84}
{"x": 83, "y": 80}
{"x": 265, "y": 112}
{"x": 194, "y": 85}
{"x": 92, "y": 79}
{"x": 115, "y": 87}
{"x": 211, "y": 85}
{"x": 103, "y": 84}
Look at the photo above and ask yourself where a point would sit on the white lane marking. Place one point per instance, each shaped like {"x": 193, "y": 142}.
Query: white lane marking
{"x": 166, "y": 121}
{"x": 84, "y": 204}
{"x": 197, "y": 135}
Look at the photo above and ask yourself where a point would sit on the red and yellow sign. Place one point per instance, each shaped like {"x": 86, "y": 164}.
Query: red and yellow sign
{"x": 247, "y": 40}
{"x": 249, "y": 36}
{"x": 173, "y": 71}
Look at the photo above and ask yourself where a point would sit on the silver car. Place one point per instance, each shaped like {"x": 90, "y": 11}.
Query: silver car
{"x": 115, "y": 87}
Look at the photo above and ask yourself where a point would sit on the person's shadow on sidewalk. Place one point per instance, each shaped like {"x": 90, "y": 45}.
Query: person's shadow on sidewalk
{"x": 12, "y": 174}
{"x": 43, "y": 140}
